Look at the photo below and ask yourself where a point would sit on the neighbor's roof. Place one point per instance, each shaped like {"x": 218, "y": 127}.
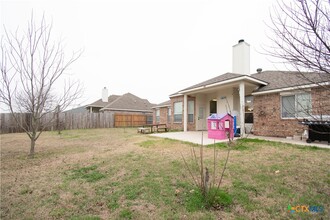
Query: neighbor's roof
{"x": 101, "y": 104}
{"x": 81, "y": 109}
{"x": 129, "y": 102}
{"x": 280, "y": 80}
{"x": 163, "y": 104}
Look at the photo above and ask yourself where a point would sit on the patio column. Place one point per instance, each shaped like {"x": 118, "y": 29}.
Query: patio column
{"x": 185, "y": 113}
{"x": 242, "y": 108}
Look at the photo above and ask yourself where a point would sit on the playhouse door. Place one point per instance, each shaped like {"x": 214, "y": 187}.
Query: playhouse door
{"x": 202, "y": 121}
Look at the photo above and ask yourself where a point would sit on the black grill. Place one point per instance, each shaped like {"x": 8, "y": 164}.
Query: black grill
{"x": 318, "y": 130}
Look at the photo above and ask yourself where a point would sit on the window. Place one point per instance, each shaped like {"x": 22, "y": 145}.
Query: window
{"x": 201, "y": 113}
{"x": 169, "y": 115}
{"x": 149, "y": 119}
{"x": 191, "y": 109}
{"x": 157, "y": 115}
{"x": 296, "y": 106}
{"x": 178, "y": 112}
{"x": 249, "y": 109}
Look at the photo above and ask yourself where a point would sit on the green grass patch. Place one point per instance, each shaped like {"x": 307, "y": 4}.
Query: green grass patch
{"x": 148, "y": 143}
{"x": 89, "y": 174}
{"x": 218, "y": 145}
{"x": 126, "y": 214}
{"x": 215, "y": 198}
{"x": 25, "y": 190}
{"x": 252, "y": 140}
{"x": 85, "y": 217}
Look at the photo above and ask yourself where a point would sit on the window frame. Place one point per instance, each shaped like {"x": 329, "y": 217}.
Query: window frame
{"x": 189, "y": 111}
{"x": 169, "y": 114}
{"x": 297, "y": 113}
{"x": 175, "y": 115}
{"x": 157, "y": 115}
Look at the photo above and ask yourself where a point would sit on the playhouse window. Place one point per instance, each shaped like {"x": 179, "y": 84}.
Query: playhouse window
{"x": 213, "y": 125}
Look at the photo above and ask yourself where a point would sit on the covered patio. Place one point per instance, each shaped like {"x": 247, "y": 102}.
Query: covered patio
{"x": 196, "y": 138}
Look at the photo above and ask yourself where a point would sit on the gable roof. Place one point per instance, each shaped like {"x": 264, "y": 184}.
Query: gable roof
{"x": 101, "y": 104}
{"x": 80, "y": 109}
{"x": 216, "y": 79}
{"x": 163, "y": 104}
{"x": 281, "y": 80}
{"x": 129, "y": 102}
{"x": 219, "y": 80}
{"x": 268, "y": 80}
{"x": 219, "y": 116}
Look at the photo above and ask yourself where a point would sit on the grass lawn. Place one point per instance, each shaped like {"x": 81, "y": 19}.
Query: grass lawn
{"x": 119, "y": 174}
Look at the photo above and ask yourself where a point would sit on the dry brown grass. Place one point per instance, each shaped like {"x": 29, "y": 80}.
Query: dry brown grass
{"x": 144, "y": 178}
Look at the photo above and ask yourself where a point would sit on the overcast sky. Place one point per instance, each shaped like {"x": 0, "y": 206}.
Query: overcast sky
{"x": 149, "y": 48}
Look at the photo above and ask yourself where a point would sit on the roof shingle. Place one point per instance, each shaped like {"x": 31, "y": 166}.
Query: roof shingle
{"x": 275, "y": 79}
{"x": 220, "y": 78}
{"x": 285, "y": 79}
{"x": 100, "y": 103}
{"x": 129, "y": 101}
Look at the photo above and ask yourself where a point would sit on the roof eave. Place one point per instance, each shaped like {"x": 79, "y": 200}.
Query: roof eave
{"x": 97, "y": 106}
{"x": 240, "y": 78}
{"x": 292, "y": 88}
{"x": 122, "y": 109}
{"x": 161, "y": 106}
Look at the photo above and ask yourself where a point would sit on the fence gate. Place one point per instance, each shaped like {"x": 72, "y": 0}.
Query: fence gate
{"x": 129, "y": 120}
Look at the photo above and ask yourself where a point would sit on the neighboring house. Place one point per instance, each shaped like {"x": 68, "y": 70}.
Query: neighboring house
{"x": 81, "y": 109}
{"x": 126, "y": 104}
{"x": 162, "y": 113}
{"x": 267, "y": 102}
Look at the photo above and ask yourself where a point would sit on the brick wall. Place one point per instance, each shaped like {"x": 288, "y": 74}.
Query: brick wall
{"x": 321, "y": 101}
{"x": 163, "y": 112}
{"x": 179, "y": 125}
{"x": 267, "y": 118}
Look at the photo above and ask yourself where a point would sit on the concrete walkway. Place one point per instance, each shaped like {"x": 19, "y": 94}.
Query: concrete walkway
{"x": 190, "y": 136}
{"x": 196, "y": 138}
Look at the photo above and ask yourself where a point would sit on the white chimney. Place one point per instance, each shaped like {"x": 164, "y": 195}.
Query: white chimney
{"x": 241, "y": 57}
{"x": 105, "y": 94}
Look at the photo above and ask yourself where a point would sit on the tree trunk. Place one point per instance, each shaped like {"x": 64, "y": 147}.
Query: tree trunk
{"x": 33, "y": 143}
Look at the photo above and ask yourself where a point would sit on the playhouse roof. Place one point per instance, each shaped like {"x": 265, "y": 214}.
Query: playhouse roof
{"x": 219, "y": 116}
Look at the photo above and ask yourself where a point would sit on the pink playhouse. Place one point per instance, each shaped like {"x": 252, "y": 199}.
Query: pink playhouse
{"x": 220, "y": 126}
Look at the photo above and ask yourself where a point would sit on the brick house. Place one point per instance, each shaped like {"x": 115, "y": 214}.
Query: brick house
{"x": 125, "y": 104}
{"x": 269, "y": 103}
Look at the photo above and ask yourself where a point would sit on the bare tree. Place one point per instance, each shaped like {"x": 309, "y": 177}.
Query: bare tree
{"x": 300, "y": 31}
{"x": 300, "y": 36}
{"x": 31, "y": 68}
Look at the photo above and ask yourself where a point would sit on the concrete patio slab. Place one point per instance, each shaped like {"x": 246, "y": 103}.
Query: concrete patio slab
{"x": 189, "y": 136}
{"x": 196, "y": 138}
{"x": 322, "y": 144}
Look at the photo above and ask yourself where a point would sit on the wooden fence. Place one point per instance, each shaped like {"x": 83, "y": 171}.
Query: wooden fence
{"x": 66, "y": 121}
{"x": 129, "y": 120}
{"x": 70, "y": 120}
